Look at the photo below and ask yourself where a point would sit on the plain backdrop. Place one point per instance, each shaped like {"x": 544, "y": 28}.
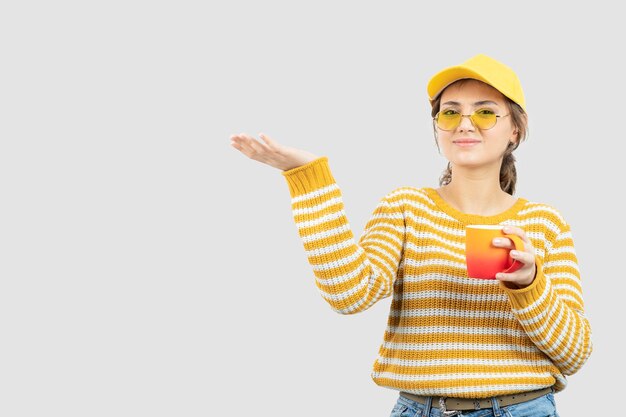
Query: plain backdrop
{"x": 147, "y": 268}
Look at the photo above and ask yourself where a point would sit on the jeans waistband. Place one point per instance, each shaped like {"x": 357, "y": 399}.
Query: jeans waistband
{"x": 452, "y": 403}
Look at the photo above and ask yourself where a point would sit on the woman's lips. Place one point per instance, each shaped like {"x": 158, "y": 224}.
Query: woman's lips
{"x": 466, "y": 142}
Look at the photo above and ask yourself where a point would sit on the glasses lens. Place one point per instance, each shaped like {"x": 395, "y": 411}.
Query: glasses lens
{"x": 448, "y": 120}
{"x": 484, "y": 119}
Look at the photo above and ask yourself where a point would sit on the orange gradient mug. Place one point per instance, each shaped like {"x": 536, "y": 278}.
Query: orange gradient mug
{"x": 483, "y": 259}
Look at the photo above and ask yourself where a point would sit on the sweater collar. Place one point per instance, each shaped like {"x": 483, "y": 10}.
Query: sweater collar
{"x": 466, "y": 218}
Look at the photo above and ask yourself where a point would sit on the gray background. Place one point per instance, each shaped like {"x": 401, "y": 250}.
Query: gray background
{"x": 147, "y": 268}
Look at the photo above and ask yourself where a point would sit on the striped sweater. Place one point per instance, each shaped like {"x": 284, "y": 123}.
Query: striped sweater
{"x": 447, "y": 334}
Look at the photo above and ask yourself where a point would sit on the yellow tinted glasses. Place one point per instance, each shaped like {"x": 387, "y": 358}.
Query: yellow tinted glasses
{"x": 451, "y": 119}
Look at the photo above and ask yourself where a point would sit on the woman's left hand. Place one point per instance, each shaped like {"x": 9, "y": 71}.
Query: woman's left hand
{"x": 524, "y": 276}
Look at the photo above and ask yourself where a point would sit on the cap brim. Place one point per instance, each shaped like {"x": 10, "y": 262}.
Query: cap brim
{"x": 449, "y": 75}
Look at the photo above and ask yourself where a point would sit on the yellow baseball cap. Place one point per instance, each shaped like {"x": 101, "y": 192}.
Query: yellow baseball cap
{"x": 482, "y": 68}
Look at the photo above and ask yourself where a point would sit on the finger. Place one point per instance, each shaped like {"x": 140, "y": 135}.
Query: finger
{"x": 518, "y": 231}
{"x": 508, "y": 278}
{"x": 521, "y": 277}
{"x": 257, "y": 146}
{"x": 239, "y": 139}
{"x": 503, "y": 242}
{"x": 246, "y": 140}
{"x": 503, "y": 276}
{"x": 523, "y": 257}
{"x": 235, "y": 140}
{"x": 244, "y": 150}
{"x": 243, "y": 143}
{"x": 268, "y": 141}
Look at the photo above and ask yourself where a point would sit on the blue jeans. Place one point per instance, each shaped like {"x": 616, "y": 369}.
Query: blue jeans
{"x": 543, "y": 406}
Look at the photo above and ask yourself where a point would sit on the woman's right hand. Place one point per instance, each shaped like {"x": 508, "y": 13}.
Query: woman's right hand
{"x": 271, "y": 152}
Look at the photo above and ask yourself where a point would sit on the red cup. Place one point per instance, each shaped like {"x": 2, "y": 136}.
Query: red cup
{"x": 483, "y": 259}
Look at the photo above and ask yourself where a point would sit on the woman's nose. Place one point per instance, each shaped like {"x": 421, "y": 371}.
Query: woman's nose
{"x": 466, "y": 123}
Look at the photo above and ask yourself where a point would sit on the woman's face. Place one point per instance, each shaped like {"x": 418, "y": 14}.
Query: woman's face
{"x": 466, "y": 145}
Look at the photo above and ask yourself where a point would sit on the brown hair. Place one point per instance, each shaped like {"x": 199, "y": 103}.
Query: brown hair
{"x": 508, "y": 173}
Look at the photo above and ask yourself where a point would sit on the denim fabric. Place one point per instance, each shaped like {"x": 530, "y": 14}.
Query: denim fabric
{"x": 543, "y": 406}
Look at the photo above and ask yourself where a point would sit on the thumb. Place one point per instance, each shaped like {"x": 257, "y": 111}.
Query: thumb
{"x": 267, "y": 139}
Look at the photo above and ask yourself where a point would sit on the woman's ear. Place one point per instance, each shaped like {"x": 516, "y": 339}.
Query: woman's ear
{"x": 516, "y": 131}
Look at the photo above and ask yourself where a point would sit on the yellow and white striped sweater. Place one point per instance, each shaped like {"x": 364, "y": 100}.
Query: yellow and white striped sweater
{"x": 447, "y": 334}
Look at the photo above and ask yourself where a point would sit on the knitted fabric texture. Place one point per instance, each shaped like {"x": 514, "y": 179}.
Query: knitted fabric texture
{"x": 447, "y": 334}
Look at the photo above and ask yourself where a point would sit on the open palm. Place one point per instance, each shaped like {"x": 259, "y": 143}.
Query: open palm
{"x": 271, "y": 152}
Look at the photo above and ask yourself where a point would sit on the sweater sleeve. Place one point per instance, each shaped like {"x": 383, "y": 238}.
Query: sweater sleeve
{"x": 551, "y": 309}
{"x": 350, "y": 276}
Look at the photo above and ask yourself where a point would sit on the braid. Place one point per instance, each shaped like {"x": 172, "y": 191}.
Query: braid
{"x": 508, "y": 173}
{"x": 446, "y": 176}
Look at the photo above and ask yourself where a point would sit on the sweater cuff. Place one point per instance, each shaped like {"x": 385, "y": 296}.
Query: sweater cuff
{"x": 524, "y": 297}
{"x": 309, "y": 177}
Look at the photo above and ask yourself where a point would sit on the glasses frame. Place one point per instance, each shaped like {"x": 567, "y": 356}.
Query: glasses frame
{"x": 471, "y": 120}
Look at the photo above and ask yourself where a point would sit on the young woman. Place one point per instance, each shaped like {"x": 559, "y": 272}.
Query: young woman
{"x": 453, "y": 344}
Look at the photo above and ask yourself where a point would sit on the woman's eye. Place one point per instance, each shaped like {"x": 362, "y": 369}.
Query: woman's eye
{"x": 484, "y": 112}
{"x": 449, "y": 112}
